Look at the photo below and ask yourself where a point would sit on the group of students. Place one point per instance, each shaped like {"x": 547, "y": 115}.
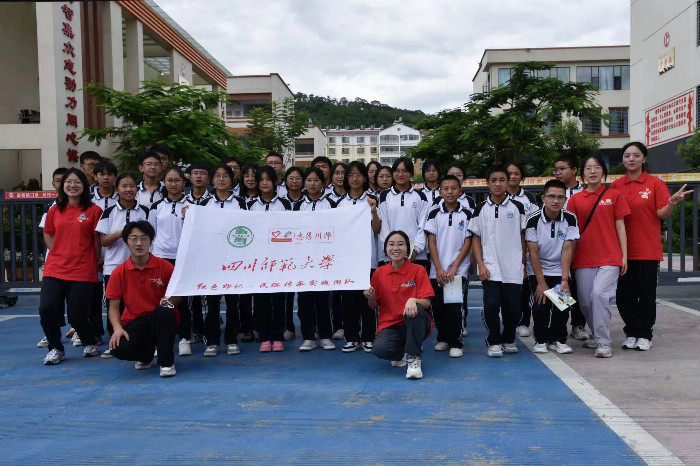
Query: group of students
{"x": 423, "y": 239}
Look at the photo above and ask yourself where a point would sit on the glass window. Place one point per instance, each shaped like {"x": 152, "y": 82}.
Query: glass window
{"x": 372, "y": 150}
{"x": 404, "y": 137}
{"x": 563, "y": 74}
{"x": 413, "y": 137}
{"x": 619, "y": 124}
{"x": 590, "y": 124}
{"x": 345, "y": 151}
{"x": 346, "y": 161}
{"x": 503, "y": 76}
{"x": 361, "y": 159}
{"x": 360, "y": 139}
{"x": 346, "y": 139}
{"x": 606, "y": 78}
{"x": 373, "y": 139}
{"x": 360, "y": 150}
{"x": 331, "y": 150}
{"x": 331, "y": 140}
{"x": 374, "y": 159}
{"x": 583, "y": 74}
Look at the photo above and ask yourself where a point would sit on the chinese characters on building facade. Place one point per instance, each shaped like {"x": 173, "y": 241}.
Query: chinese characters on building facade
{"x": 69, "y": 82}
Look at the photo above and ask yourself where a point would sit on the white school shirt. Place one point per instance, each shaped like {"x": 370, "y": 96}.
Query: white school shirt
{"x": 500, "y": 226}
{"x": 276, "y": 204}
{"x": 231, "y": 202}
{"x": 237, "y": 189}
{"x": 527, "y": 199}
{"x": 281, "y": 189}
{"x": 198, "y": 200}
{"x": 104, "y": 202}
{"x": 113, "y": 219}
{"x": 450, "y": 228}
{"x": 550, "y": 236}
{"x": 146, "y": 198}
{"x": 431, "y": 194}
{"x": 166, "y": 218}
{"x": 571, "y": 191}
{"x": 333, "y": 195}
{"x": 307, "y": 205}
{"x": 348, "y": 201}
{"x": 405, "y": 211}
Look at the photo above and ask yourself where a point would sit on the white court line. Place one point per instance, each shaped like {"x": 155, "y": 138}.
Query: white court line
{"x": 638, "y": 439}
{"x": 13, "y": 316}
{"x": 678, "y": 307}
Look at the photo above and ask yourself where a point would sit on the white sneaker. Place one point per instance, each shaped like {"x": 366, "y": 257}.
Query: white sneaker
{"x": 643, "y": 344}
{"x": 523, "y": 331}
{"x": 327, "y": 344}
{"x": 456, "y": 352}
{"x": 603, "y": 351}
{"x": 54, "y": 357}
{"x": 90, "y": 351}
{"x": 43, "y": 343}
{"x": 339, "y": 334}
{"x": 495, "y": 351}
{"x": 107, "y": 354}
{"x": 75, "y": 340}
{"x": 400, "y": 362}
{"x": 233, "y": 349}
{"x": 413, "y": 371}
{"x": 289, "y": 335}
{"x": 540, "y": 348}
{"x": 590, "y": 343}
{"x": 184, "y": 348}
{"x": 308, "y": 345}
{"x": 211, "y": 350}
{"x": 168, "y": 371}
{"x": 579, "y": 333}
{"x": 351, "y": 346}
{"x": 510, "y": 348}
{"x": 139, "y": 366}
{"x": 629, "y": 343}
{"x": 442, "y": 346}
{"x": 561, "y": 348}
{"x": 367, "y": 346}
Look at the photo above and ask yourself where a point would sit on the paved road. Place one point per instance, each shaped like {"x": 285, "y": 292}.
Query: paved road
{"x": 329, "y": 407}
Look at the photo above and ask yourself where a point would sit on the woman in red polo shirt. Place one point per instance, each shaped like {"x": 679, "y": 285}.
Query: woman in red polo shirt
{"x": 649, "y": 202}
{"x": 601, "y": 254}
{"x": 70, "y": 272}
{"x": 402, "y": 291}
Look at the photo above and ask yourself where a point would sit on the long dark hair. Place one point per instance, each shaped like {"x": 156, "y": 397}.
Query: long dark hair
{"x": 599, "y": 160}
{"x": 244, "y": 189}
{"x": 85, "y": 201}
{"x": 642, "y": 148}
{"x": 363, "y": 171}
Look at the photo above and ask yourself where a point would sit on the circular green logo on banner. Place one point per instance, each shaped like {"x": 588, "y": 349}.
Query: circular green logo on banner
{"x": 240, "y": 237}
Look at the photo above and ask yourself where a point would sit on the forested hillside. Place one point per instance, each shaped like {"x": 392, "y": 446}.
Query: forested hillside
{"x": 328, "y": 112}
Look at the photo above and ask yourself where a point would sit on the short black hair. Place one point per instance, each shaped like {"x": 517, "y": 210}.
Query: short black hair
{"x": 224, "y": 167}
{"x": 376, "y": 174}
{"x": 315, "y": 170}
{"x": 59, "y": 171}
{"x": 569, "y": 159}
{"x": 149, "y": 154}
{"x": 321, "y": 159}
{"x": 161, "y": 149}
{"x": 106, "y": 167}
{"x": 497, "y": 168}
{"x": 293, "y": 169}
{"x": 178, "y": 170}
{"x": 519, "y": 166}
{"x": 142, "y": 225}
{"x": 269, "y": 171}
{"x": 459, "y": 167}
{"x": 599, "y": 160}
{"x": 407, "y": 163}
{"x": 89, "y": 155}
{"x": 274, "y": 154}
{"x": 405, "y": 237}
{"x": 227, "y": 160}
{"x": 554, "y": 184}
{"x": 199, "y": 166}
{"x": 426, "y": 166}
{"x": 451, "y": 177}
{"x": 125, "y": 175}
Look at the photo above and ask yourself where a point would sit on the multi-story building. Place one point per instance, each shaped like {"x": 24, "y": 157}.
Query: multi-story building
{"x": 348, "y": 145}
{"x": 53, "y": 48}
{"x": 309, "y": 145}
{"x": 607, "y": 67}
{"x": 394, "y": 140}
{"x": 665, "y": 77}
{"x": 248, "y": 92}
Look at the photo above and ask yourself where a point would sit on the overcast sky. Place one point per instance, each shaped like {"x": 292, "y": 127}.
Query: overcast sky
{"x": 414, "y": 54}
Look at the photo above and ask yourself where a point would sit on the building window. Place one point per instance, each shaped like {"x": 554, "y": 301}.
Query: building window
{"x": 331, "y": 140}
{"x": 374, "y": 159}
{"x": 331, "y": 150}
{"x": 360, "y": 150}
{"x": 404, "y": 137}
{"x": 619, "y": 121}
{"x": 346, "y": 140}
{"x": 372, "y": 150}
{"x": 698, "y": 24}
{"x": 345, "y": 151}
{"x": 413, "y": 137}
{"x": 605, "y": 78}
{"x": 346, "y": 161}
{"x": 590, "y": 124}
{"x": 373, "y": 139}
{"x": 361, "y": 160}
{"x": 360, "y": 139}
{"x": 561, "y": 73}
{"x": 503, "y": 76}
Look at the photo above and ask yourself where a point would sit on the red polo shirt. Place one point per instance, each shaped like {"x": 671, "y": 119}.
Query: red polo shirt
{"x": 645, "y": 196}
{"x": 392, "y": 288}
{"x": 73, "y": 254}
{"x": 599, "y": 244}
{"x": 141, "y": 290}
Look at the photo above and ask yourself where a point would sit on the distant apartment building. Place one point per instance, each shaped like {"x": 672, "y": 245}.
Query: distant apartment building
{"x": 383, "y": 145}
{"x": 395, "y": 140}
{"x": 665, "y": 78}
{"x": 607, "y": 67}
{"x": 248, "y": 92}
{"x": 309, "y": 145}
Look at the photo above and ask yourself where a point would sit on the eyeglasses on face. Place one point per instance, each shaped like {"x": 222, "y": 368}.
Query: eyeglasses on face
{"x": 554, "y": 197}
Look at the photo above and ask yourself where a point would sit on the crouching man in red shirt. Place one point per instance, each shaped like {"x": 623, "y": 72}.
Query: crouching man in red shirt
{"x": 402, "y": 291}
{"x": 149, "y": 320}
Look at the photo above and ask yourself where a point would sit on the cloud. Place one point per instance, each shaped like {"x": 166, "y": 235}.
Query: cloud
{"x": 414, "y": 54}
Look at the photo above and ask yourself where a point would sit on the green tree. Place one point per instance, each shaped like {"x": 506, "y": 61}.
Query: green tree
{"x": 565, "y": 137}
{"x": 185, "y": 118}
{"x": 507, "y": 123}
{"x": 689, "y": 151}
{"x": 275, "y": 128}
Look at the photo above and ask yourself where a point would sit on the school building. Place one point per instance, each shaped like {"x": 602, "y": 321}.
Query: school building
{"x": 370, "y": 144}
{"x": 54, "y": 48}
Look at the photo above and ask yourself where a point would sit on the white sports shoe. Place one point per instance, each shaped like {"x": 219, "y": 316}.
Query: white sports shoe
{"x": 168, "y": 371}
{"x": 139, "y": 366}
{"x": 495, "y": 351}
{"x": 413, "y": 371}
{"x": 184, "y": 348}
{"x": 399, "y": 363}
{"x": 90, "y": 351}
{"x": 308, "y": 345}
{"x": 327, "y": 344}
{"x": 367, "y": 346}
{"x": 522, "y": 331}
{"x": 107, "y": 354}
{"x": 510, "y": 348}
{"x": 540, "y": 348}
{"x": 351, "y": 346}
{"x": 442, "y": 346}
{"x": 43, "y": 343}
{"x": 603, "y": 351}
{"x": 561, "y": 348}
{"x": 233, "y": 349}
{"x": 629, "y": 343}
{"x": 456, "y": 352}
{"x": 75, "y": 340}
{"x": 643, "y": 344}
{"x": 211, "y": 350}
{"x": 54, "y": 357}
{"x": 579, "y": 333}
{"x": 339, "y": 334}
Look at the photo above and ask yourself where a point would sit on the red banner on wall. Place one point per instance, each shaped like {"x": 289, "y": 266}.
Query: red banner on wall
{"x": 670, "y": 120}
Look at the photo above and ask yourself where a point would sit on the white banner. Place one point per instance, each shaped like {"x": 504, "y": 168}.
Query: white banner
{"x": 239, "y": 252}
